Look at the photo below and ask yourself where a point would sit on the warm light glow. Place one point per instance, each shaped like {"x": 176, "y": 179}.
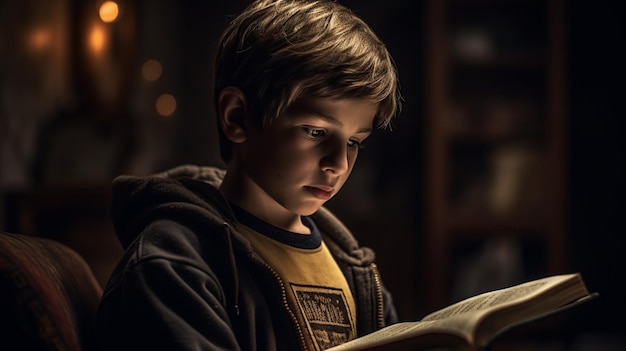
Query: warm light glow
{"x": 97, "y": 39}
{"x": 109, "y": 11}
{"x": 39, "y": 39}
{"x": 166, "y": 105}
{"x": 151, "y": 70}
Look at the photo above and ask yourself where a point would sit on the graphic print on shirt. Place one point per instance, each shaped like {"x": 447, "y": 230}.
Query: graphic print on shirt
{"x": 326, "y": 313}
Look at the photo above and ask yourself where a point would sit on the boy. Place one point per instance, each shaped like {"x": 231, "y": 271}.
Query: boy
{"x": 247, "y": 258}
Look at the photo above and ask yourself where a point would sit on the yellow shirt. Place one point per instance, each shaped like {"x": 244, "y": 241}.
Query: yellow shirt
{"x": 316, "y": 289}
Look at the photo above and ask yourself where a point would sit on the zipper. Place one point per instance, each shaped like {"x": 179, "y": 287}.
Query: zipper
{"x": 233, "y": 265}
{"x": 294, "y": 320}
{"x": 379, "y": 296}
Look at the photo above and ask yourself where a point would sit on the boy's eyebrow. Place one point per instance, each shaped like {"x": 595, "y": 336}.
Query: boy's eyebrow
{"x": 364, "y": 130}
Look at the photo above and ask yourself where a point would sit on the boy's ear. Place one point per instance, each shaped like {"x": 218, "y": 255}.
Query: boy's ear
{"x": 232, "y": 114}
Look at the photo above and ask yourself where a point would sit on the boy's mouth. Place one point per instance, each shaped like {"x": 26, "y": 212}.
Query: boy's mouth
{"x": 321, "y": 192}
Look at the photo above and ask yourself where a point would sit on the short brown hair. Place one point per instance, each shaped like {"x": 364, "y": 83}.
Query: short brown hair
{"x": 276, "y": 51}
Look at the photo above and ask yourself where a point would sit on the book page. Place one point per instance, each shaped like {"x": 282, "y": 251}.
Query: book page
{"x": 491, "y": 299}
{"x": 437, "y": 332}
{"x": 394, "y": 330}
{"x": 471, "y": 323}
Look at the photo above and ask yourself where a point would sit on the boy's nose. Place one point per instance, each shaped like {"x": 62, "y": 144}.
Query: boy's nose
{"x": 335, "y": 159}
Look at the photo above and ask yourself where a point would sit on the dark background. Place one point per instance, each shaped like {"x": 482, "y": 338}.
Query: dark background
{"x": 61, "y": 137}
{"x": 597, "y": 153}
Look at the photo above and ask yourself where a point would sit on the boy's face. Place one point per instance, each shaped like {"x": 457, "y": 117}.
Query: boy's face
{"x": 301, "y": 160}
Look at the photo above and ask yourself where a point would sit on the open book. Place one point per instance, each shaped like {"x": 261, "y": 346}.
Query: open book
{"x": 473, "y": 323}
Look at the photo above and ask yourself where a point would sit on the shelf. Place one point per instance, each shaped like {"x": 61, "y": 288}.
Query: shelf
{"x": 495, "y": 122}
{"x": 530, "y": 225}
{"x": 501, "y": 62}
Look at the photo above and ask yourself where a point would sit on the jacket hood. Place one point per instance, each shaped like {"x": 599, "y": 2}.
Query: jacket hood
{"x": 181, "y": 194}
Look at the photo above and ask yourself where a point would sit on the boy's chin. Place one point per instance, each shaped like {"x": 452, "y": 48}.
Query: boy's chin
{"x": 310, "y": 210}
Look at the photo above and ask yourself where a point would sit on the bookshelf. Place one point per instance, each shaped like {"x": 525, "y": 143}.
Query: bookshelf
{"x": 495, "y": 161}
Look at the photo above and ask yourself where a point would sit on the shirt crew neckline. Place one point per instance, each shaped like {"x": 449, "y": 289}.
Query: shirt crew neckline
{"x": 301, "y": 241}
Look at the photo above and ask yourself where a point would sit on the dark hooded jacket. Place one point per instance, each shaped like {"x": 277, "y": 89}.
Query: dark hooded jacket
{"x": 189, "y": 280}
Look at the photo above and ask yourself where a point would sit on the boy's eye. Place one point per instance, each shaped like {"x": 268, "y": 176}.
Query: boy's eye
{"x": 317, "y": 133}
{"x": 355, "y": 144}
{"x": 314, "y": 133}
